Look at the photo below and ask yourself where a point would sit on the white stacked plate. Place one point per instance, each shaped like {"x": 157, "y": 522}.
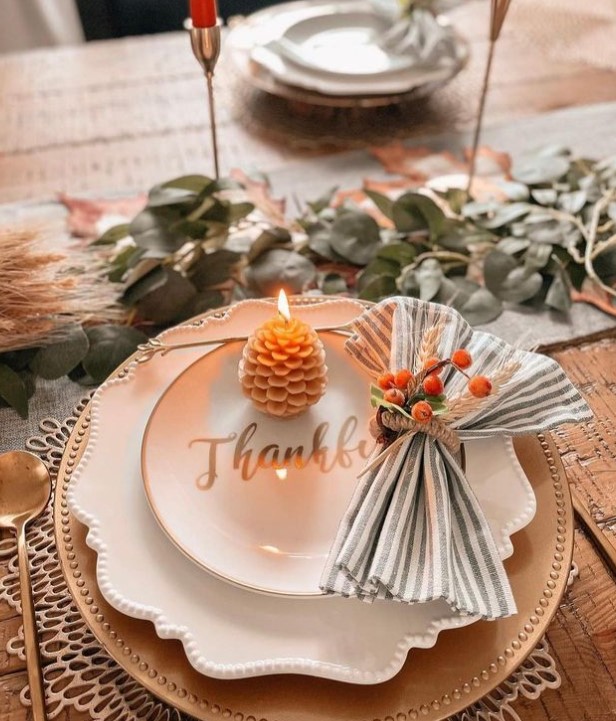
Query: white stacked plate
{"x": 197, "y": 532}
{"x": 329, "y": 53}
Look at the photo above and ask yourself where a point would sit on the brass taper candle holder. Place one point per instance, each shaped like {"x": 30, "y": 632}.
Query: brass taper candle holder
{"x": 206, "y": 48}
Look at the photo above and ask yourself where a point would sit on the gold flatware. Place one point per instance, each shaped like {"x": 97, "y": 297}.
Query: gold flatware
{"x": 600, "y": 541}
{"x": 25, "y": 488}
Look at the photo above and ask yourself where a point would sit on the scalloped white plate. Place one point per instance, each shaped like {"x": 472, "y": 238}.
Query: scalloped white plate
{"x": 229, "y": 632}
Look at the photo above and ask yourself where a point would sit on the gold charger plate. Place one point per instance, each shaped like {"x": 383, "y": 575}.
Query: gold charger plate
{"x": 464, "y": 665}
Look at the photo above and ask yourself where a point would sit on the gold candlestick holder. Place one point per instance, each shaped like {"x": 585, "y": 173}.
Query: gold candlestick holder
{"x": 206, "y": 48}
{"x": 498, "y": 13}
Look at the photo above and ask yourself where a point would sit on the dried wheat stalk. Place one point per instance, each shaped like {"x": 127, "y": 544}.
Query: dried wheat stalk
{"x": 429, "y": 344}
{"x": 43, "y": 293}
{"x": 465, "y": 404}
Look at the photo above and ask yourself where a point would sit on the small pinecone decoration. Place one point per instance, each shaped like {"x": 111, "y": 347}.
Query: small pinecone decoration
{"x": 283, "y": 368}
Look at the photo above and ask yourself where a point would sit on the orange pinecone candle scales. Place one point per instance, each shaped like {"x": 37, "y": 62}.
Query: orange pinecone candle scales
{"x": 283, "y": 367}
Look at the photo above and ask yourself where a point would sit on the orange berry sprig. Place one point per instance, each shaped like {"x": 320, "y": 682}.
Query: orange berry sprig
{"x": 422, "y": 396}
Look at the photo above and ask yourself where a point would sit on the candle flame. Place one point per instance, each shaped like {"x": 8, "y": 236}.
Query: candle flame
{"x": 282, "y": 474}
{"x": 283, "y": 305}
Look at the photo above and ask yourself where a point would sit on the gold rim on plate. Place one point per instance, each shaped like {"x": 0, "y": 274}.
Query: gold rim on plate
{"x": 463, "y": 666}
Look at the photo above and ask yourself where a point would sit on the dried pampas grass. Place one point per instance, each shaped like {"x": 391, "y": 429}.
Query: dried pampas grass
{"x": 42, "y": 293}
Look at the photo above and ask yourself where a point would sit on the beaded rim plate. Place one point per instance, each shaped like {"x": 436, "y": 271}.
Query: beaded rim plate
{"x": 215, "y": 490}
{"x": 465, "y": 665}
{"x": 332, "y": 637}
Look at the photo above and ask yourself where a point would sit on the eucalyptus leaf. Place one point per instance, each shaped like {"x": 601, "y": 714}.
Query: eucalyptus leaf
{"x": 508, "y": 281}
{"x": 481, "y": 307}
{"x": 572, "y": 202}
{"x": 378, "y": 288}
{"x": 605, "y": 265}
{"x": 456, "y": 198}
{"x": 204, "y": 301}
{"x": 152, "y": 233}
{"x": 537, "y": 256}
{"x": 278, "y": 268}
{"x": 123, "y": 262}
{"x": 113, "y": 235}
{"x": 511, "y": 246}
{"x": 166, "y": 300}
{"x": 13, "y": 390}
{"x": 18, "y": 359}
{"x": 271, "y": 238}
{"x": 430, "y": 277}
{"x": 455, "y": 236}
{"x": 324, "y": 201}
{"x": 237, "y": 211}
{"x": 558, "y": 295}
{"x": 382, "y": 202}
{"x": 546, "y": 231}
{"x": 379, "y": 267}
{"x": 333, "y": 283}
{"x": 160, "y": 196}
{"x": 476, "y": 208}
{"x": 213, "y": 268}
{"x": 540, "y": 169}
{"x": 551, "y": 150}
{"x": 355, "y": 236}
{"x": 196, "y": 184}
{"x": 110, "y": 346}
{"x": 58, "y": 359}
{"x": 407, "y": 283}
{"x": 544, "y": 196}
{"x": 195, "y": 229}
{"x": 319, "y": 241}
{"x": 140, "y": 270}
{"x": 414, "y": 211}
{"x": 506, "y": 214}
{"x": 144, "y": 283}
{"x": 513, "y": 190}
{"x": 401, "y": 253}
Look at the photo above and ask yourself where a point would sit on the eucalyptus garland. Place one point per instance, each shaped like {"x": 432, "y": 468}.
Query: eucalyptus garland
{"x": 200, "y": 244}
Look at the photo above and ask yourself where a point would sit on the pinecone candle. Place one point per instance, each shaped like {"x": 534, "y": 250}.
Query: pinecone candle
{"x": 283, "y": 367}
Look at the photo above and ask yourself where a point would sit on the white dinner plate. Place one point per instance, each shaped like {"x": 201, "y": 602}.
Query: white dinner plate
{"x": 268, "y": 39}
{"x": 216, "y": 478}
{"x": 226, "y": 631}
{"x": 343, "y": 43}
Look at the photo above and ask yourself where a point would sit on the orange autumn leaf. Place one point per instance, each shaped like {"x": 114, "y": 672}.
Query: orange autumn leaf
{"x": 360, "y": 199}
{"x": 418, "y": 164}
{"x": 259, "y": 193}
{"x": 84, "y": 214}
{"x": 592, "y": 295}
{"x": 490, "y": 161}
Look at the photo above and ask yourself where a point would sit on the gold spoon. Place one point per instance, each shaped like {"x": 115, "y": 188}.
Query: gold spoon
{"x": 25, "y": 487}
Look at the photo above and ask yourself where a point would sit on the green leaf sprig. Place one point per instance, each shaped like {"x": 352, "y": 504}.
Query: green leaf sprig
{"x": 198, "y": 245}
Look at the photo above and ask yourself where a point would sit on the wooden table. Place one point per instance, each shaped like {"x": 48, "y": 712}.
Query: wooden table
{"x": 125, "y": 114}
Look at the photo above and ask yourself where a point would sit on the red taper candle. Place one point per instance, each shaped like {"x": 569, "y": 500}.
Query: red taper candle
{"x": 203, "y": 13}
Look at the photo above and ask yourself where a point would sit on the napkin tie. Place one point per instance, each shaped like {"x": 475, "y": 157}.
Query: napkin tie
{"x": 414, "y": 530}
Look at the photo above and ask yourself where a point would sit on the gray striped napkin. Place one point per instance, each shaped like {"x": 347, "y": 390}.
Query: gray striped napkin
{"x": 414, "y": 531}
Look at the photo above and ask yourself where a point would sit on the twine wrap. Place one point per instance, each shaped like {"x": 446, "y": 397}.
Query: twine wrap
{"x": 435, "y": 428}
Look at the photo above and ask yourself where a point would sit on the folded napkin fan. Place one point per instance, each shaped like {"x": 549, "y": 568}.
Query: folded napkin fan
{"x": 414, "y": 531}
{"x": 421, "y": 36}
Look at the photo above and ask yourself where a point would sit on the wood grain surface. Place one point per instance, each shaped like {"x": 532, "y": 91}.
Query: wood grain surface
{"x": 124, "y": 114}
